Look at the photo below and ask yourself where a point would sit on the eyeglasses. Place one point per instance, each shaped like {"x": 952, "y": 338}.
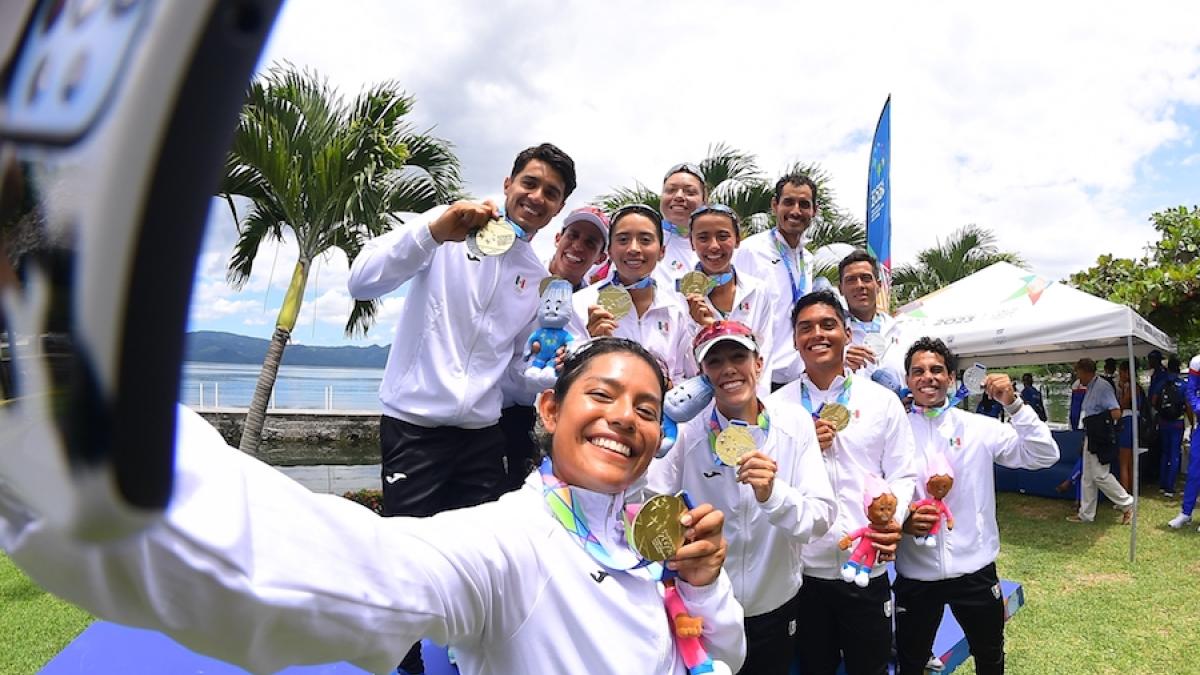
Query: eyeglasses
{"x": 641, "y": 209}
{"x": 714, "y": 208}
{"x": 685, "y": 167}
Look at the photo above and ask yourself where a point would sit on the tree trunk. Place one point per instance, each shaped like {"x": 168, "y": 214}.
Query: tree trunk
{"x": 257, "y": 414}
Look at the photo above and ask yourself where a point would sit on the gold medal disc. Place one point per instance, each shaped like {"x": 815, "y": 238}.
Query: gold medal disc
{"x": 694, "y": 282}
{"x": 657, "y": 533}
{"x": 616, "y": 301}
{"x": 837, "y": 414}
{"x": 733, "y": 442}
{"x": 494, "y": 238}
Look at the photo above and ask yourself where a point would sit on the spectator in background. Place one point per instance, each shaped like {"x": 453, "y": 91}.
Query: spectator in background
{"x": 1170, "y": 407}
{"x": 1125, "y": 391}
{"x": 1110, "y": 372}
{"x": 1192, "y": 487}
{"x": 1100, "y": 402}
{"x": 1032, "y": 397}
{"x": 990, "y": 407}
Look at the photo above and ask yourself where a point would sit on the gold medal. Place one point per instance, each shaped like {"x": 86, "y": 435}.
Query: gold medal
{"x": 616, "y": 301}
{"x": 494, "y": 238}
{"x": 656, "y": 532}
{"x": 694, "y": 282}
{"x": 837, "y": 414}
{"x": 734, "y": 441}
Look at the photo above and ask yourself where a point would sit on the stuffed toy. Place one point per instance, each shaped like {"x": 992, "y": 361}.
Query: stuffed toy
{"x": 941, "y": 479}
{"x": 880, "y": 505}
{"x": 687, "y": 636}
{"x": 553, "y": 314}
{"x": 683, "y": 402}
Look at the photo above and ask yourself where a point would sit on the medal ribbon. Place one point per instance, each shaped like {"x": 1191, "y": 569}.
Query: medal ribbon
{"x": 934, "y": 413}
{"x": 520, "y": 231}
{"x": 680, "y": 230}
{"x": 872, "y": 326}
{"x": 795, "y": 270}
{"x": 714, "y": 429}
{"x": 562, "y": 505}
{"x": 843, "y": 397}
{"x": 716, "y": 280}
{"x": 615, "y": 280}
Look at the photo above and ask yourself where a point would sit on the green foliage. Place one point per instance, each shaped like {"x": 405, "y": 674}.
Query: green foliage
{"x": 733, "y": 178}
{"x": 372, "y": 499}
{"x": 967, "y": 250}
{"x": 1164, "y": 284}
{"x": 332, "y": 172}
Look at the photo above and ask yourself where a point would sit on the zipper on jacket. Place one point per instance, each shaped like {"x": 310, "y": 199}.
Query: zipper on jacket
{"x": 478, "y": 329}
{"x": 943, "y": 532}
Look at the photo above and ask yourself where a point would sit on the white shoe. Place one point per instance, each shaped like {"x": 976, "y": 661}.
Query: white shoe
{"x": 1179, "y": 521}
{"x": 934, "y": 663}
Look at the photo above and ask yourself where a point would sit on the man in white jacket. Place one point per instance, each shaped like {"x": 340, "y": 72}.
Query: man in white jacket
{"x": 959, "y": 570}
{"x": 775, "y": 496}
{"x": 440, "y": 442}
{"x": 877, "y": 349}
{"x": 841, "y": 621}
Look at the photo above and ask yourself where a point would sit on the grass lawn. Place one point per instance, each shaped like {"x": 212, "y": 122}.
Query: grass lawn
{"x": 1088, "y": 610}
{"x": 34, "y": 626}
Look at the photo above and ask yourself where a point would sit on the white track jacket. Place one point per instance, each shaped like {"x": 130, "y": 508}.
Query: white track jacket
{"x": 250, "y": 567}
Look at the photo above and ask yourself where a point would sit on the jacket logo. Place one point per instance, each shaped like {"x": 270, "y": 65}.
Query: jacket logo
{"x": 712, "y": 474}
{"x": 745, "y": 306}
{"x": 675, "y": 264}
{"x": 664, "y": 326}
{"x": 471, "y": 257}
{"x": 519, "y": 282}
{"x": 776, "y": 261}
{"x": 599, "y": 575}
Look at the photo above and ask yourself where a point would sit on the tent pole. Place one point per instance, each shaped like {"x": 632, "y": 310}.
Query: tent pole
{"x": 1133, "y": 383}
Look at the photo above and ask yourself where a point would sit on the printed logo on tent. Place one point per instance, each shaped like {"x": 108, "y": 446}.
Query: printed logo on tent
{"x": 1032, "y": 288}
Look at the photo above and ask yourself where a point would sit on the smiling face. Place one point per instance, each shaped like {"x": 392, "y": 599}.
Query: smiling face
{"x": 576, "y": 249}
{"x": 682, "y": 193}
{"x": 821, "y": 338}
{"x": 635, "y": 248}
{"x": 714, "y": 239}
{"x": 929, "y": 379}
{"x": 607, "y": 427}
{"x": 733, "y": 371}
{"x": 534, "y": 196}
{"x": 860, "y": 287}
{"x": 794, "y": 211}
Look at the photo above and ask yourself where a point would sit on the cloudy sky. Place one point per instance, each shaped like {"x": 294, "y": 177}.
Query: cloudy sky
{"x": 1060, "y": 127}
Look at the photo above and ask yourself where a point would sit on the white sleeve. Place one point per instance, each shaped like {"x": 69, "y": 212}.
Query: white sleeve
{"x": 807, "y": 510}
{"x": 1025, "y": 443}
{"x": 389, "y": 260}
{"x": 722, "y": 630}
{"x": 899, "y": 456}
{"x": 663, "y": 474}
{"x": 252, "y": 568}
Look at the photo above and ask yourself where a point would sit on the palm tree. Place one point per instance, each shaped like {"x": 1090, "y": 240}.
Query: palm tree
{"x": 967, "y": 250}
{"x": 330, "y": 172}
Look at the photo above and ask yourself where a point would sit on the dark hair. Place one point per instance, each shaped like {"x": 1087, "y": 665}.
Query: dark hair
{"x": 1123, "y": 365}
{"x": 856, "y": 256}
{"x": 935, "y": 345}
{"x": 555, "y": 158}
{"x": 819, "y": 298}
{"x": 799, "y": 180}
{"x": 639, "y": 209}
{"x": 1029, "y": 375}
{"x": 576, "y": 363}
{"x": 1108, "y": 363}
{"x": 1089, "y": 366}
{"x": 716, "y": 210}
{"x": 1174, "y": 364}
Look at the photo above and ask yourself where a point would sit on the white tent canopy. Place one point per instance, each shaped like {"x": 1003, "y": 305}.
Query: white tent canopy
{"x": 1006, "y": 316}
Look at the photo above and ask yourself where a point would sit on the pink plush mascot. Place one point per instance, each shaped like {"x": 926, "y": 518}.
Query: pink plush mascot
{"x": 941, "y": 479}
{"x": 880, "y": 505}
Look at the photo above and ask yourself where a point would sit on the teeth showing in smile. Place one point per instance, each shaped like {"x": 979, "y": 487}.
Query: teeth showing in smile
{"x": 574, "y": 260}
{"x": 730, "y": 386}
{"x": 610, "y": 444}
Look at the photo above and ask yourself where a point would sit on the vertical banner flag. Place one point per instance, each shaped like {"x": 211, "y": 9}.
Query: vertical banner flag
{"x": 879, "y": 203}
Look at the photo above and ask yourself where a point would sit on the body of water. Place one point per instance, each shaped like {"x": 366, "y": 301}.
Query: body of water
{"x": 208, "y": 385}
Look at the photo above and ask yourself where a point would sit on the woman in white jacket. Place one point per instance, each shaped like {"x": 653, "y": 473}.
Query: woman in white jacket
{"x": 774, "y": 493}
{"x": 250, "y": 567}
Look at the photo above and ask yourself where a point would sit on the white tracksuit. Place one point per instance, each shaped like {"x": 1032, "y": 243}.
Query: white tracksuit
{"x": 764, "y": 539}
{"x": 758, "y": 257}
{"x": 250, "y": 567}
{"x": 459, "y": 327}
{"x": 879, "y": 441}
{"x": 971, "y": 444}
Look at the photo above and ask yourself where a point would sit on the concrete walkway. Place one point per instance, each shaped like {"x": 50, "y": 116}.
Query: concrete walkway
{"x": 334, "y": 479}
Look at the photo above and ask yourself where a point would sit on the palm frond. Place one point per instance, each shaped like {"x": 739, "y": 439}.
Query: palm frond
{"x": 257, "y": 226}
{"x": 622, "y": 196}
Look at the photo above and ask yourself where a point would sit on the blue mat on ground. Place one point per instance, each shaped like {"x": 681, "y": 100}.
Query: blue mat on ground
{"x": 1044, "y": 481}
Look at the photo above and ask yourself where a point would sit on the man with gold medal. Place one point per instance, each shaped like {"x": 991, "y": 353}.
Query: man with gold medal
{"x": 862, "y": 430}
{"x": 764, "y": 472}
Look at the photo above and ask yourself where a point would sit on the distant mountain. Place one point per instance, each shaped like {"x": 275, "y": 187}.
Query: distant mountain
{"x": 217, "y": 347}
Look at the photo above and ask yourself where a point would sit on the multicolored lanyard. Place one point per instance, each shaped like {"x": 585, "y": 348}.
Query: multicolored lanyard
{"x": 715, "y": 281}
{"x": 680, "y": 230}
{"x": 562, "y": 505}
{"x": 714, "y": 429}
{"x": 796, "y": 270}
{"x": 934, "y": 413}
{"x": 843, "y": 397}
{"x": 615, "y": 280}
{"x": 875, "y": 325}
{"x": 520, "y": 231}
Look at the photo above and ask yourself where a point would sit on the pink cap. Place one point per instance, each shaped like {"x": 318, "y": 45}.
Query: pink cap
{"x": 593, "y": 215}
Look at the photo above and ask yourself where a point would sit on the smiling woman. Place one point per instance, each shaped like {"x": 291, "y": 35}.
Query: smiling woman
{"x": 504, "y": 583}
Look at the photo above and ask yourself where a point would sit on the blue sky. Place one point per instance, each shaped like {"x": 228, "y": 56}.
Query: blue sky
{"x": 1059, "y": 126}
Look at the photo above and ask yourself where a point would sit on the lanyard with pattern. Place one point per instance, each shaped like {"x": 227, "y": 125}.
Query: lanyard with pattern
{"x": 714, "y": 429}
{"x": 796, "y": 270}
{"x": 843, "y": 397}
{"x": 934, "y": 413}
{"x": 615, "y": 280}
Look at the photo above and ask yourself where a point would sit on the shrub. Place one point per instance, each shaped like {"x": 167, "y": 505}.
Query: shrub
{"x": 372, "y": 499}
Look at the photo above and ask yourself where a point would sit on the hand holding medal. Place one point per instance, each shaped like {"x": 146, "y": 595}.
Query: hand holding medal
{"x": 458, "y": 221}
{"x": 999, "y": 387}
{"x": 494, "y": 238}
{"x": 758, "y": 471}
